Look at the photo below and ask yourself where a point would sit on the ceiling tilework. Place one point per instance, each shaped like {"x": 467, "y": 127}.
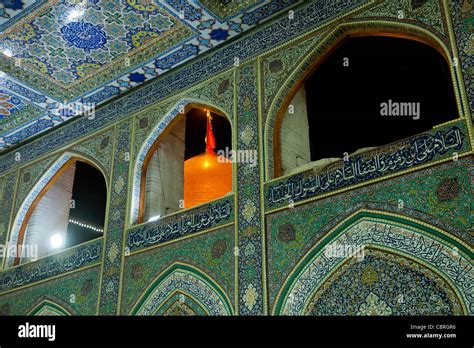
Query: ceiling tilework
{"x": 67, "y": 45}
{"x": 80, "y": 52}
{"x": 15, "y": 111}
{"x": 228, "y": 8}
{"x": 11, "y": 10}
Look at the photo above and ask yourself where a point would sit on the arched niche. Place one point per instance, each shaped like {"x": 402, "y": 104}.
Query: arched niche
{"x": 57, "y": 199}
{"x": 426, "y": 251}
{"x": 48, "y": 308}
{"x": 170, "y": 133}
{"x": 291, "y": 89}
{"x": 181, "y": 303}
{"x": 181, "y": 282}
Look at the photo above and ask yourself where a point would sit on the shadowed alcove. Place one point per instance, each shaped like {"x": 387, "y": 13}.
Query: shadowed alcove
{"x": 70, "y": 210}
{"x": 368, "y": 91}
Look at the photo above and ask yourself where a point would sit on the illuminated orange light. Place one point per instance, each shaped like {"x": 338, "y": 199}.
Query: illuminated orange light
{"x": 206, "y": 176}
{"x": 206, "y": 179}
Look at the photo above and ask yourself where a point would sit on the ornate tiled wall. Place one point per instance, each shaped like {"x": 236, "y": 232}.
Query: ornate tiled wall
{"x": 261, "y": 250}
{"x": 439, "y": 196}
{"x": 211, "y": 252}
{"x": 77, "y": 293}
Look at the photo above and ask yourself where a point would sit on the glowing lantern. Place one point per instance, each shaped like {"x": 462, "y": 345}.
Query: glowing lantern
{"x": 206, "y": 176}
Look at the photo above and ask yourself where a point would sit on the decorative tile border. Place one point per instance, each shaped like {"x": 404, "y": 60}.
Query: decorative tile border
{"x": 117, "y": 210}
{"x": 212, "y": 252}
{"x": 251, "y": 293}
{"x": 462, "y": 16}
{"x": 434, "y": 145}
{"x": 181, "y": 224}
{"x": 70, "y": 260}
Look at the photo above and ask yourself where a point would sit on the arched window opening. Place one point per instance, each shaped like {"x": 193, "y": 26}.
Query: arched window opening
{"x": 188, "y": 165}
{"x": 369, "y": 91}
{"x": 69, "y": 211}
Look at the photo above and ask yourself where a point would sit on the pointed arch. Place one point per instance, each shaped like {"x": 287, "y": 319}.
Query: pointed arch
{"x": 182, "y": 300}
{"x": 48, "y": 307}
{"x": 427, "y": 245}
{"x": 187, "y": 280}
{"x": 332, "y": 40}
{"x": 173, "y": 116}
{"x": 38, "y": 191}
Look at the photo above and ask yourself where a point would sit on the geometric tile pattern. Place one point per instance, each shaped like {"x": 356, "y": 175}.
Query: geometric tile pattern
{"x": 192, "y": 282}
{"x": 90, "y": 51}
{"x": 11, "y": 10}
{"x": 211, "y": 252}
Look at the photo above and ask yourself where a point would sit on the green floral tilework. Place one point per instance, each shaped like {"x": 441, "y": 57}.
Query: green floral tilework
{"x": 211, "y": 252}
{"x": 427, "y": 12}
{"x": 7, "y": 186}
{"x": 224, "y": 9}
{"x": 83, "y": 285}
{"x": 99, "y": 148}
{"x": 279, "y": 65}
{"x": 443, "y": 192}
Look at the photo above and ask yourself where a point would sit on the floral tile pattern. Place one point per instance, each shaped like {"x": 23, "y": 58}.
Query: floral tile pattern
{"x": 90, "y": 51}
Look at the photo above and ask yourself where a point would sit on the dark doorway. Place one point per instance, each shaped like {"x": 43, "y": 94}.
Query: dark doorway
{"x": 344, "y": 102}
{"x": 89, "y": 194}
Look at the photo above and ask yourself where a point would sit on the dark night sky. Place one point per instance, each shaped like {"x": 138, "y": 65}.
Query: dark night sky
{"x": 90, "y": 195}
{"x": 344, "y": 102}
{"x": 196, "y": 132}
